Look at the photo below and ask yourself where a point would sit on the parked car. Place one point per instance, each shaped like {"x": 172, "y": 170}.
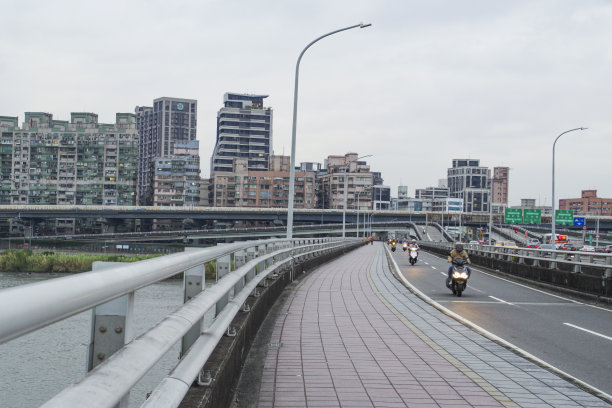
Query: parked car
{"x": 588, "y": 248}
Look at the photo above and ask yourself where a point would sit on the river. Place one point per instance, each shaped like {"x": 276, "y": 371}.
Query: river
{"x": 37, "y": 366}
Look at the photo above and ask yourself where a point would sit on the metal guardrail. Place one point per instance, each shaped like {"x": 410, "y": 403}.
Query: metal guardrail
{"x": 577, "y": 259}
{"x": 240, "y": 268}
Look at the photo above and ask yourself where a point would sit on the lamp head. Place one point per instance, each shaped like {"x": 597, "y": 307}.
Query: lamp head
{"x": 362, "y": 25}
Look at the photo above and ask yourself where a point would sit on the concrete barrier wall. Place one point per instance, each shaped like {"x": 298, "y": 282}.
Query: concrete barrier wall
{"x": 226, "y": 362}
{"x": 587, "y": 284}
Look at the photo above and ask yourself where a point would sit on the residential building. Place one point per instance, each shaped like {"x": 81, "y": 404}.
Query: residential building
{"x": 244, "y": 130}
{"x": 264, "y": 189}
{"x": 359, "y": 178}
{"x": 447, "y": 204}
{"x": 468, "y": 180}
{"x": 168, "y": 123}
{"x": 499, "y": 183}
{"x": 430, "y": 193}
{"x": 56, "y": 162}
{"x": 381, "y": 197}
{"x": 176, "y": 179}
{"x": 587, "y": 204}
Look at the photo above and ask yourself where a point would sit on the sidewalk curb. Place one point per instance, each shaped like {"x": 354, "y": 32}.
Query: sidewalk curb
{"x": 395, "y": 270}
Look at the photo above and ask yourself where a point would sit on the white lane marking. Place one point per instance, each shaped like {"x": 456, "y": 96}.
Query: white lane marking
{"x": 501, "y": 300}
{"x": 433, "y": 267}
{"x": 588, "y": 331}
{"x": 528, "y": 287}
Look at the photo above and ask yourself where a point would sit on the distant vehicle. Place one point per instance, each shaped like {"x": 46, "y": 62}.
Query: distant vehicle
{"x": 533, "y": 243}
{"x": 588, "y": 248}
{"x": 506, "y": 244}
{"x": 570, "y": 246}
{"x": 608, "y": 249}
{"x": 474, "y": 242}
{"x": 561, "y": 239}
{"x": 549, "y": 247}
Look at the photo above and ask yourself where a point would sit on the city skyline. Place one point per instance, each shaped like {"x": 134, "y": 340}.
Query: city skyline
{"x": 495, "y": 82}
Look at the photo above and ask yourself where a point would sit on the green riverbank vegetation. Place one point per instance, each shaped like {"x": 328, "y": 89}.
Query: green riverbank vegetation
{"x": 24, "y": 260}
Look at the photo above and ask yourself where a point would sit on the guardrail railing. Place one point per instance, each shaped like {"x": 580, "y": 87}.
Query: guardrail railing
{"x": 118, "y": 359}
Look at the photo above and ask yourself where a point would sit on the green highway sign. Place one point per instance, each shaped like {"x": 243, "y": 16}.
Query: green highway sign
{"x": 564, "y": 217}
{"x": 532, "y": 216}
{"x": 514, "y": 216}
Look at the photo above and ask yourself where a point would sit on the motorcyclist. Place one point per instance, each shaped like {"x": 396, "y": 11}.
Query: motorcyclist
{"x": 458, "y": 253}
{"x": 413, "y": 244}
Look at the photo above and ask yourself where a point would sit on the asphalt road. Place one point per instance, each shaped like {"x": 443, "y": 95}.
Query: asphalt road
{"x": 572, "y": 336}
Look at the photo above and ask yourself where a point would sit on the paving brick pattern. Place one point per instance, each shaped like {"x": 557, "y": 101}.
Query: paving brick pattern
{"x": 352, "y": 336}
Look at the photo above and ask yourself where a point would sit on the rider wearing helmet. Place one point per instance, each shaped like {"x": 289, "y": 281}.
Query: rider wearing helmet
{"x": 413, "y": 244}
{"x": 458, "y": 253}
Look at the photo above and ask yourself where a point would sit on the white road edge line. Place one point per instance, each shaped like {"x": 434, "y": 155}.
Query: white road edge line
{"x": 497, "y": 339}
{"x": 588, "y": 331}
{"x": 501, "y": 300}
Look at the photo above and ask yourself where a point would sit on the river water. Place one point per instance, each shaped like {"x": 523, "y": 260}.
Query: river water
{"x": 37, "y": 366}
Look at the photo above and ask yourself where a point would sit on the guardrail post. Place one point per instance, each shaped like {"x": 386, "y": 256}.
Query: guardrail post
{"x": 112, "y": 325}
{"x": 239, "y": 259}
{"x": 577, "y": 266}
{"x": 521, "y": 255}
{"x": 194, "y": 282}
{"x": 608, "y": 270}
{"x": 223, "y": 268}
{"x": 553, "y": 257}
{"x": 251, "y": 253}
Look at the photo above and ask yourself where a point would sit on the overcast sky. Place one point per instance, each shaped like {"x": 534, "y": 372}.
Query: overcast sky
{"x": 428, "y": 82}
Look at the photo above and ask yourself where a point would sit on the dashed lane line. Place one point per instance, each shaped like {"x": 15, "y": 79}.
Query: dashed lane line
{"x": 588, "y": 331}
{"x": 501, "y": 300}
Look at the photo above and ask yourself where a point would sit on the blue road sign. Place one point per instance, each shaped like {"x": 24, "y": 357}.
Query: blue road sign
{"x": 579, "y": 221}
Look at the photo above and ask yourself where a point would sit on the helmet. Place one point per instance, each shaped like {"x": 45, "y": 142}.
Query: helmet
{"x": 459, "y": 247}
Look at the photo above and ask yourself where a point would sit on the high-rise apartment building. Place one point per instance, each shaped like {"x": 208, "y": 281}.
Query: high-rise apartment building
{"x": 359, "y": 181}
{"x": 244, "y": 130}
{"x": 56, "y": 162}
{"x": 468, "y": 180}
{"x": 499, "y": 183}
{"x": 176, "y": 182}
{"x": 168, "y": 123}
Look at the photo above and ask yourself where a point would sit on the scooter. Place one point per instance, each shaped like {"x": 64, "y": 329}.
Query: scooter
{"x": 405, "y": 246}
{"x": 459, "y": 277}
{"x": 414, "y": 255}
{"x": 393, "y": 246}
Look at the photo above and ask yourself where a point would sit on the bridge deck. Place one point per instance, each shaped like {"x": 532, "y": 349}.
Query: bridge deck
{"x": 351, "y": 335}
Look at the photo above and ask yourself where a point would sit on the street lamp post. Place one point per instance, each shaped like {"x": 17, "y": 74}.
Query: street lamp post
{"x": 295, "y": 99}
{"x": 358, "y": 194}
{"x": 346, "y": 191}
{"x": 553, "y": 236}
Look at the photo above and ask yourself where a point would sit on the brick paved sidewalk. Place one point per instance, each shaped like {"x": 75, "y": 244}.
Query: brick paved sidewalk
{"x": 337, "y": 344}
